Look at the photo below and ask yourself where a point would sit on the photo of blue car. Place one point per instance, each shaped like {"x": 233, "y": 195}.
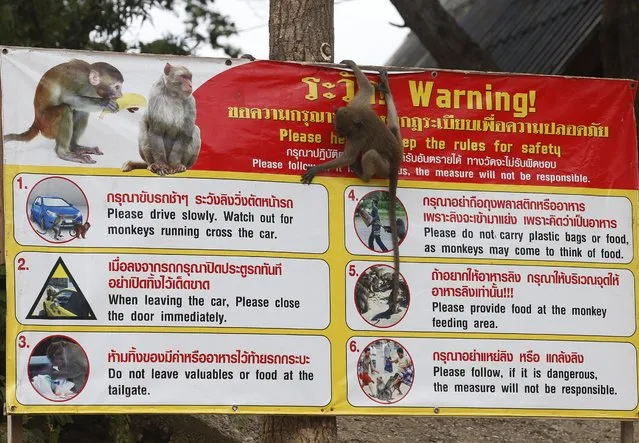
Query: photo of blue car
{"x": 57, "y": 210}
{"x": 45, "y": 210}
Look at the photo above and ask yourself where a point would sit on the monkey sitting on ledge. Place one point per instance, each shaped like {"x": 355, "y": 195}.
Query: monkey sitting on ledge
{"x": 169, "y": 141}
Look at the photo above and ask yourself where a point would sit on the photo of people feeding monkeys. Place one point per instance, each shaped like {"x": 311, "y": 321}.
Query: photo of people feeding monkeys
{"x": 168, "y": 141}
{"x": 372, "y": 296}
{"x": 385, "y": 371}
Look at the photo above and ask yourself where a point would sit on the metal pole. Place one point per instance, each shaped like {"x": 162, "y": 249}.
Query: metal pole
{"x": 14, "y": 428}
{"x": 1, "y": 181}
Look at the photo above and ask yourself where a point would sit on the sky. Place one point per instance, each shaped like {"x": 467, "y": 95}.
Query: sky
{"x": 362, "y": 29}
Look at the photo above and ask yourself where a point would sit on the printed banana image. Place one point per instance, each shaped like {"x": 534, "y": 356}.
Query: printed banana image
{"x": 127, "y": 101}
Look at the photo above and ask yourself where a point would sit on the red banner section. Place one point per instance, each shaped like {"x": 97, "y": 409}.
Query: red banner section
{"x": 276, "y": 117}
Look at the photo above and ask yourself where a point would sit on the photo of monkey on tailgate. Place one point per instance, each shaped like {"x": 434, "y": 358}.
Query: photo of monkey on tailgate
{"x": 64, "y": 97}
{"x": 58, "y": 368}
{"x": 169, "y": 141}
{"x": 372, "y": 149}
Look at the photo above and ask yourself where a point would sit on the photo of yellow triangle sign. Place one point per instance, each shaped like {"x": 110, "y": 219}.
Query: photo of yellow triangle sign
{"x": 60, "y": 297}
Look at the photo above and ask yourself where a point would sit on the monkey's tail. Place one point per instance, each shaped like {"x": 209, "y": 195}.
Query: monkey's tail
{"x": 131, "y": 165}
{"x": 392, "y": 188}
{"x": 26, "y": 136}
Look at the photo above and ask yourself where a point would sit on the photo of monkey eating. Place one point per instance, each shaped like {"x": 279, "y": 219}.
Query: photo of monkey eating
{"x": 58, "y": 368}
{"x": 64, "y": 98}
{"x": 372, "y": 296}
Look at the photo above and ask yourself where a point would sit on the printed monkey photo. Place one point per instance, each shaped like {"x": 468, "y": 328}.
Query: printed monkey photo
{"x": 58, "y": 368}
{"x": 385, "y": 371}
{"x": 372, "y": 296}
{"x": 65, "y": 96}
{"x": 169, "y": 141}
{"x": 63, "y": 302}
{"x": 57, "y": 210}
{"x": 61, "y": 298}
{"x": 373, "y": 149}
{"x": 57, "y": 226}
{"x": 372, "y": 221}
{"x": 79, "y": 230}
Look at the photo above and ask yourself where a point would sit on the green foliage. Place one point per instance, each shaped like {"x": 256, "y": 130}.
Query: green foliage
{"x": 44, "y": 428}
{"x": 200, "y": 15}
{"x": 101, "y": 24}
{"x": 170, "y": 44}
{"x": 120, "y": 429}
{"x": 383, "y": 205}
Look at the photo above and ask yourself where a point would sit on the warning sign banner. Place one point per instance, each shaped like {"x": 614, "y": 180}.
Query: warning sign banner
{"x": 174, "y": 262}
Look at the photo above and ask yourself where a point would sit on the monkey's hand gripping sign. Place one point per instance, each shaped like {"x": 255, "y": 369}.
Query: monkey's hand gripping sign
{"x": 228, "y": 246}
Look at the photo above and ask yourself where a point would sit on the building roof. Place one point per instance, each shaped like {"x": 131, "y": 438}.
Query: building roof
{"x": 532, "y": 36}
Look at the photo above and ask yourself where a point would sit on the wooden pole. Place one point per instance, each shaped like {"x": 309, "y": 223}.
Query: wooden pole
{"x": 627, "y": 431}
{"x": 300, "y": 30}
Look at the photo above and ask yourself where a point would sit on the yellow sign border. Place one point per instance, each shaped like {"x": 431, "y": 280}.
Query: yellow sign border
{"x": 337, "y": 332}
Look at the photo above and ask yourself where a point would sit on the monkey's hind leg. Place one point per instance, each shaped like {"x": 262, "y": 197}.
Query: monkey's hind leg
{"x": 356, "y": 167}
{"x": 153, "y": 153}
{"x": 80, "y": 121}
{"x": 193, "y": 150}
{"x": 159, "y": 168}
{"x": 176, "y": 169}
{"x": 190, "y": 150}
{"x": 373, "y": 165}
{"x": 60, "y": 126}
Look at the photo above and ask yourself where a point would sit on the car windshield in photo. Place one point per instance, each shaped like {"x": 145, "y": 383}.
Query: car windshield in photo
{"x": 49, "y": 201}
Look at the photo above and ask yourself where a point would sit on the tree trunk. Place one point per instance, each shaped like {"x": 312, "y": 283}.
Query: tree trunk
{"x": 438, "y": 31}
{"x": 620, "y": 41}
{"x": 299, "y": 429}
{"x": 620, "y": 37}
{"x": 610, "y": 39}
{"x": 300, "y": 30}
